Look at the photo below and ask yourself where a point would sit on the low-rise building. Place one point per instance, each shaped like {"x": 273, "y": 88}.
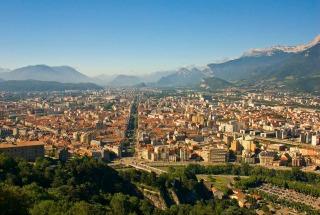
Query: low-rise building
{"x": 266, "y": 157}
{"x": 29, "y": 150}
{"x": 218, "y": 154}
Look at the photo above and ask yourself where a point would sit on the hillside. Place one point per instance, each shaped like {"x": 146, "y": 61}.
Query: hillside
{"x": 214, "y": 83}
{"x": 34, "y": 85}
{"x": 88, "y": 186}
{"x": 288, "y": 65}
{"x": 246, "y": 67}
{"x": 310, "y": 85}
{"x": 305, "y": 64}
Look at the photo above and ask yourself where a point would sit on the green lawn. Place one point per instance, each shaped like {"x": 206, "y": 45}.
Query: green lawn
{"x": 219, "y": 181}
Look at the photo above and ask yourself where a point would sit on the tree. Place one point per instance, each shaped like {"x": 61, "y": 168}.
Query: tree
{"x": 45, "y": 207}
{"x": 84, "y": 208}
{"x": 119, "y": 204}
{"x": 13, "y": 200}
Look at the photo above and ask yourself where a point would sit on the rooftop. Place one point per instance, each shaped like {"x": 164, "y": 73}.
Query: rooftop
{"x": 21, "y": 144}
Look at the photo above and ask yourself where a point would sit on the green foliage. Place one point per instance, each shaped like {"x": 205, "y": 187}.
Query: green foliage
{"x": 107, "y": 106}
{"x": 295, "y": 179}
{"x": 298, "y": 206}
{"x": 13, "y": 200}
{"x": 245, "y": 170}
{"x": 88, "y": 186}
{"x": 79, "y": 184}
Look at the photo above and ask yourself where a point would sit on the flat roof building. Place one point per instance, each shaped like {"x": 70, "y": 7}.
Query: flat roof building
{"x": 29, "y": 150}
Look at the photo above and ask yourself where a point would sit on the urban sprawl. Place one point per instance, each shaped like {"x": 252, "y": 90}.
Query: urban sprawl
{"x": 148, "y": 129}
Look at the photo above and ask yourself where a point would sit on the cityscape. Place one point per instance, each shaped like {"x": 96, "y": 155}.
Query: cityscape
{"x": 233, "y": 136}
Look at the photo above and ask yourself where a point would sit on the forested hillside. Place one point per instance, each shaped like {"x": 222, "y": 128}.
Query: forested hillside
{"x": 88, "y": 186}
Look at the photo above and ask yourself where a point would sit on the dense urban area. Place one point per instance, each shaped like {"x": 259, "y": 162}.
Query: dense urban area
{"x": 160, "y": 107}
{"x": 160, "y": 151}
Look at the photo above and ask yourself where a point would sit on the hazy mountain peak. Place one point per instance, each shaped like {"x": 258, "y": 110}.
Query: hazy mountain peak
{"x": 40, "y": 66}
{"x": 125, "y": 80}
{"x": 186, "y": 76}
{"x": 195, "y": 69}
{"x": 4, "y": 70}
{"x": 64, "y": 67}
{"x": 315, "y": 41}
{"x": 43, "y": 72}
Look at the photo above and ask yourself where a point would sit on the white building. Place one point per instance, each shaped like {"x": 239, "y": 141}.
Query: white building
{"x": 315, "y": 140}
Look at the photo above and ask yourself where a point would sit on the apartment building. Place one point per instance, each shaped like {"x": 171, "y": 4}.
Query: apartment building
{"x": 30, "y": 150}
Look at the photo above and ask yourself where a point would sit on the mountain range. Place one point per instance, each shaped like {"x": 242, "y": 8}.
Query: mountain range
{"x": 63, "y": 74}
{"x": 292, "y": 66}
{"x": 295, "y": 67}
{"x": 276, "y": 63}
{"x": 130, "y": 80}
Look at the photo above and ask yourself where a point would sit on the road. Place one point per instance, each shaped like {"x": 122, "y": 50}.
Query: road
{"x": 137, "y": 164}
{"x": 129, "y": 144}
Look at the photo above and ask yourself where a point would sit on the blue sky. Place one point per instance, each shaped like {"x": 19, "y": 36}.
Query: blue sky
{"x": 143, "y": 36}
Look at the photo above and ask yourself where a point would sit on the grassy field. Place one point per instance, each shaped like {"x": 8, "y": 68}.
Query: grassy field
{"x": 220, "y": 182}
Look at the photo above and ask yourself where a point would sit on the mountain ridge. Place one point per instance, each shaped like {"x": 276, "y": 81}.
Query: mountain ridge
{"x": 41, "y": 72}
{"x": 277, "y": 64}
{"x": 287, "y": 49}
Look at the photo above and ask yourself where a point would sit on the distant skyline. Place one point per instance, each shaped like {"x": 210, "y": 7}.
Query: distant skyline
{"x": 144, "y": 36}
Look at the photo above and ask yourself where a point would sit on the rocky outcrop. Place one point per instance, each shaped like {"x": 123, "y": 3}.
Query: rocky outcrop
{"x": 154, "y": 197}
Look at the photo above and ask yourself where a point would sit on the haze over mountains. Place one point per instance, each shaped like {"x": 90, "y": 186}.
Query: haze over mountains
{"x": 4, "y": 70}
{"x": 45, "y": 78}
{"x": 289, "y": 65}
{"x": 130, "y": 80}
{"x": 63, "y": 74}
{"x": 185, "y": 77}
